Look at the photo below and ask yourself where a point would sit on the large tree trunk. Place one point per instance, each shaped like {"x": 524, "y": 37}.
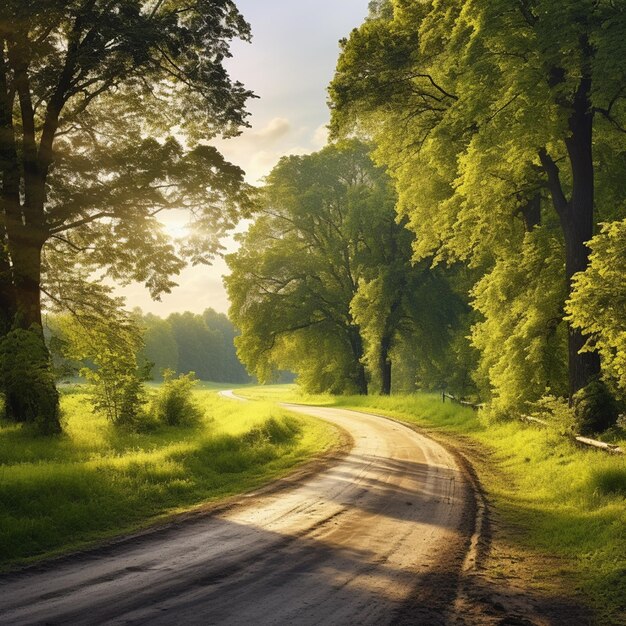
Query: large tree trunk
{"x": 577, "y": 220}
{"x": 35, "y": 398}
{"x": 385, "y": 366}
{"x": 578, "y": 223}
{"x": 26, "y": 256}
{"x": 27, "y": 382}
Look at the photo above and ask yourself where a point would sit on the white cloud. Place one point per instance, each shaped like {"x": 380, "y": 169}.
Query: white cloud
{"x": 274, "y": 130}
{"x": 320, "y": 136}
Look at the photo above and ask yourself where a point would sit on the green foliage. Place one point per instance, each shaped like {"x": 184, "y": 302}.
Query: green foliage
{"x": 595, "y": 408}
{"x": 558, "y": 413}
{"x": 521, "y": 339}
{"x": 299, "y": 267}
{"x": 274, "y": 431}
{"x": 471, "y": 164}
{"x": 25, "y": 371}
{"x": 183, "y": 342}
{"x": 597, "y": 304}
{"x": 160, "y": 347}
{"x": 323, "y": 284}
{"x": 109, "y": 346}
{"x": 91, "y": 94}
{"x": 174, "y": 403}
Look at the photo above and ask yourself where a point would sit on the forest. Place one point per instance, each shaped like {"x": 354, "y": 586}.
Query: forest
{"x": 473, "y": 238}
{"x": 463, "y": 231}
{"x": 181, "y": 343}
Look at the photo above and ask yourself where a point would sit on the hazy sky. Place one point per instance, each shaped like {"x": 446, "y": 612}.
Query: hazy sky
{"x": 288, "y": 65}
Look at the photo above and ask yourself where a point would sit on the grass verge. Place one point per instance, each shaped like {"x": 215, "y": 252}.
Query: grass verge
{"x": 95, "y": 482}
{"x": 560, "y": 511}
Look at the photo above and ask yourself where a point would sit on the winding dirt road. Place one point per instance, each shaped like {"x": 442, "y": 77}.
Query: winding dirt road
{"x": 378, "y": 536}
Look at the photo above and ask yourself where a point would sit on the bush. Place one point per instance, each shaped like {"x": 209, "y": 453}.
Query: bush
{"x": 274, "y": 431}
{"x": 558, "y": 413}
{"x": 595, "y": 408}
{"x": 174, "y": 404}
{"x": 610, "y": 481}
{"x": 26, "y": 378}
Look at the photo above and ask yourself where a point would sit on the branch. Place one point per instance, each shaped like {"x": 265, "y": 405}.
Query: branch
{"x": 554, "y": 182}
{"x": 607, "y": 112}
{"x": 77, "y": 223}
{"x": 435, "y": 85}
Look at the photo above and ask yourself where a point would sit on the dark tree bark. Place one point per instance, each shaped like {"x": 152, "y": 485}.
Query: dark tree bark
{"x": 531, "y": 213}
{"x": 385, "y": 366}
{"x": 23, "y": 237}
{"x": 360, "y": 376}
{"x": 576, "y": 216}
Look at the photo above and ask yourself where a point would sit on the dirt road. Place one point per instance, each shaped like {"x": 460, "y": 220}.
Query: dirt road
{"x": 378, "y": 536}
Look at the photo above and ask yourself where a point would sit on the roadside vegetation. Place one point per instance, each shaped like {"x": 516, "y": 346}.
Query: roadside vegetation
{"x": 554, "y": 504}
{"x": 98, "y": 480}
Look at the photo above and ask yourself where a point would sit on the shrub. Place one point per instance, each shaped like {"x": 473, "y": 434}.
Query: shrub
{"x": 273, "y": 431}
{"x": 610, "y": 481}
{"x": 557, "y": 412}
{"x": 174, "y": 404}
{"x": 595, "y": 408}
{"x": 27, "y": 380}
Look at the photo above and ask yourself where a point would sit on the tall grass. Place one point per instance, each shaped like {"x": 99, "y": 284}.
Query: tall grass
{"x": 96, "y": 481}
{"x": 553, "y": 497}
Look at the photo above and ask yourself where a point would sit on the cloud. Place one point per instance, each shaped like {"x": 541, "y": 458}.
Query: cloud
{"x": 320, "y": 136}
{"x": 274, "y": 130}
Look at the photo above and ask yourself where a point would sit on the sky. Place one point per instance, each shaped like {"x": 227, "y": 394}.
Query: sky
{"x": 288, "y": 65}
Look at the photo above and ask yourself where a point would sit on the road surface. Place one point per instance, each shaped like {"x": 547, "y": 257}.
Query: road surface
{"x": 378, "y": 536}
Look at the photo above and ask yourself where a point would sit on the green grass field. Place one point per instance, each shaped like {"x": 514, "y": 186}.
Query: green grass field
{"x": 550, "y": 497}
{"x": 95, "y": 482}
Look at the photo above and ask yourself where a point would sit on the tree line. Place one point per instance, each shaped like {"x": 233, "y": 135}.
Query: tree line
{"x": 182, "y": 343}
{"x": 501, "y": 127}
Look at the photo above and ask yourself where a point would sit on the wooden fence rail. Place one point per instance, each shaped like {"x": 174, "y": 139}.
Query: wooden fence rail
{"x": 585, "y": 441}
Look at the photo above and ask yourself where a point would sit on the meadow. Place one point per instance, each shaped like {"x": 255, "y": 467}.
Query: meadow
{"x": 96, "y": 481}
{"x": 558, "y": 512}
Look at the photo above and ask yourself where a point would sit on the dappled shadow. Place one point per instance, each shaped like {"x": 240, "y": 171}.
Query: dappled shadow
{"x": 222, "y": 572}
{"x": 215, "y": 571}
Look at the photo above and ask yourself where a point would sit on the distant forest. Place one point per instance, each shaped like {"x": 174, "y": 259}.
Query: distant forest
{"x": 183, "y": 342}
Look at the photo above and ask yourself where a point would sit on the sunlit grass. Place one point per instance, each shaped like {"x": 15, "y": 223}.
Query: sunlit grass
{"x": 95, "y": 481}
{"x": 554, "y": 497}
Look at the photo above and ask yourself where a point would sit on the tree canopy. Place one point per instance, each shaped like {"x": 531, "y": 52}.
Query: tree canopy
{"x": 323, "y": 284}
{"x": 502, "y": 127}
{"x": 105, "y": 109}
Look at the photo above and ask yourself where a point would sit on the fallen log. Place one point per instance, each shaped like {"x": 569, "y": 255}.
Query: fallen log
{"x": 601, "y": 445}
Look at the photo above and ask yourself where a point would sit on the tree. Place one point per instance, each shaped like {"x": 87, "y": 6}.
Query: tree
{"x": 298, "y": 268}
{"x": 231, "y": 370}
{"x": 597, "y": 304}
{"x": 323, "y": 283}
{"x": 414, "y": 77}
{"x": 84, "y": 87}
{"x": 109, "y": 343}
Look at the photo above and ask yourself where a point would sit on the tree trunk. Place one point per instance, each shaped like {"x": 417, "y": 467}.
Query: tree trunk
{"x": 531, "y": 213}
{"x": 577, "y": 222}
{"x": 360, "y": 376}
{"x": 33, "y": 398}
{"x": 385, "y": 367}
{"x": 26, "y": 256}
